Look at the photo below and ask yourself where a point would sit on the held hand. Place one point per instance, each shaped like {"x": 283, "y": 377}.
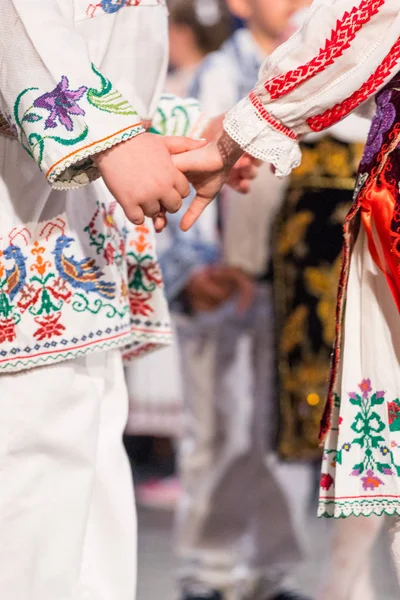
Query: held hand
{"x": 243, "y": 172}
{"x": 207, "y": 169}
{"x": 141, "y": 176}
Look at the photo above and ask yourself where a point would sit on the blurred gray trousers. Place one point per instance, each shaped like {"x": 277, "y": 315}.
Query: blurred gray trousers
{"x": 234, "y": 530}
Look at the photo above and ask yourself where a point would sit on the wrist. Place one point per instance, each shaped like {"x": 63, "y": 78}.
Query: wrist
{"x": 228, "y": 149}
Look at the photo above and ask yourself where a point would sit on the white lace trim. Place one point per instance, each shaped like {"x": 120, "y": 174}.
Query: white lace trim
{"x": 77, "y": 171}
{"x": 256, "y": 137}
{"x": 359, "y": 507}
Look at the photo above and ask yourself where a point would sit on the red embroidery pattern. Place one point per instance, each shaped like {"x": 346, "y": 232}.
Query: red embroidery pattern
{"x": 339, "y": 111}
{"x": 341, "y": 38}
{"x": 258, "y": 105}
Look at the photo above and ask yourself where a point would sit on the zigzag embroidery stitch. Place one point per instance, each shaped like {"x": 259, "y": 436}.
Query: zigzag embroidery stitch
{"x": 341, "y": 38}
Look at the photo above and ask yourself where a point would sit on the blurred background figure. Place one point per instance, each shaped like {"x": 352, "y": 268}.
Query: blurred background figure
{"x": 195, "y": 30}
{"x": 232, "y": 545}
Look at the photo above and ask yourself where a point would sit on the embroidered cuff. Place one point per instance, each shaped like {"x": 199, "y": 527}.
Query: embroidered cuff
{"x": 258, "y": 133}
{"x": 62, "y": 128}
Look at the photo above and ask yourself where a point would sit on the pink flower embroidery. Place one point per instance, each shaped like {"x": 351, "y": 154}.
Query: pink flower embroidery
{"x": 371, "y": 481}
{"x": 365, "y": 387}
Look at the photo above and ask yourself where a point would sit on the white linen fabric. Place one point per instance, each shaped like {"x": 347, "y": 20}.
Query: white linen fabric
{"x": 67, "y": 515}
{"x": 75, "y": 276}
{"x": 346, "y": 49}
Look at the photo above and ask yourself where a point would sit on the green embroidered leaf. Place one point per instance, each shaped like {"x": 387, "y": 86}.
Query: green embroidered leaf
{"x": 384, "y": 468}
{"x": 32, "y": 118}
{"x": 376, "y": 440}
{"x": 355, "y": 401}
{"x": 395, "y": 426}
{"x": 375, "y": 422}
{"x": 18, "y": 103}
{"x": 36, "y": 141}
{"x": 107, "y": 99}
{"x": 397, "y": 470}
{"x": 339, "y": 457}
{"x": 359, "y": 441}
{"x": 358, "y": 469}
{"x": 377, "y": 401}
{"x": 359, "y": 423}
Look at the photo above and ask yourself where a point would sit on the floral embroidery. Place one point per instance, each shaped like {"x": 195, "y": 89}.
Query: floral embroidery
{"x": 61, "y": 102}
{"x": 108, "y": 99}
{"x": 394, "y": 415}
{"x": 45, "y": 285}
{"x": 49, "y": 326}
{"x": 7, "y": 330}
{"x": 371, "y": 482}
{"x": 65, "y": 107}
{"x": 368, "y": 425}
{"x": 383, "y": 120}
{"x": 326, "y": 481}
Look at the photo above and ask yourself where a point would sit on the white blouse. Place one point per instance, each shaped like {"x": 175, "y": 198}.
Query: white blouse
{"x": 343, "y": 54}
{"x": 78, "y": 76}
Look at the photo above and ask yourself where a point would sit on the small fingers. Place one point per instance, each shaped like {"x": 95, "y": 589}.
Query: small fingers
{"x": 178, "y": 144}
{"x": 160, "y": 221}
{"x": 194, "y": 211}
{"x": 182, "y": 185}
{"x": 151, "y": 208}
{"x": 135, "y": 215}
{"x": 172, "y": 201}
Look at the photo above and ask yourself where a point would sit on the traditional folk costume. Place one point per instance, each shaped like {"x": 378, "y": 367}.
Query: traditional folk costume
{"x": 79, "y": 288}
{"x": 308, "y": 238}
{"x": 307, "y": 257}
{"x": 345, "y": 53}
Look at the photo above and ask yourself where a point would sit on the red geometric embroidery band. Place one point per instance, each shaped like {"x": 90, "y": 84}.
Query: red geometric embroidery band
{"x": 344, "y": 33}
{"x": 339, "y": 111}
{"x": 269, "y": 118}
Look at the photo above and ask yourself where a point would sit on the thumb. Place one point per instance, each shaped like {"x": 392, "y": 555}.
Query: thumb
{"x": 178, "y": 144}
{"x": 197, "y": 206}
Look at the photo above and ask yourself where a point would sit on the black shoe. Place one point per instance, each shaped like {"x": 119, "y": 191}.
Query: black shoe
{"x": 289, "y": 596}
{"x": 206, "y": 595}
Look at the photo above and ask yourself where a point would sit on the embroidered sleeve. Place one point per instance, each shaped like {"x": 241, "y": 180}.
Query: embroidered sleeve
{"x": 344, "y": 53}
{"x": 59, "y": 105}
{"x": 177, "y": 116}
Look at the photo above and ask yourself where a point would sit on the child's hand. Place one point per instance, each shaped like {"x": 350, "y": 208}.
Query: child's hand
{"x": 207, "y": 169}
{"x": 141, "y": 176}
{"x": 243, "y": 172}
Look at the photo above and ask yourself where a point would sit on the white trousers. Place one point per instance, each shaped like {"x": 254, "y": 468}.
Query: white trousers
{"x": 234, "y": 531}
{"x": 67, "y": 517}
